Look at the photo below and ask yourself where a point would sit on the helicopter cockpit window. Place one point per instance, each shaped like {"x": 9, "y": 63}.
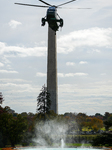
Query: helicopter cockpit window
{"x": 51, "y": 12}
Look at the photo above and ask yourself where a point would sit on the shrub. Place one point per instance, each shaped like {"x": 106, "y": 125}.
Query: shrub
{"x": 103, "y": 139}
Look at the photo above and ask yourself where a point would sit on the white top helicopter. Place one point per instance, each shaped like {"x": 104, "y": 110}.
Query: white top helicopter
{"x": 51, "y": 17}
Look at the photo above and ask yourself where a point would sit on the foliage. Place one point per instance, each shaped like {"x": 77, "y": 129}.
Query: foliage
{"x": 106, "y": 115}
{"x": 97, "y": 124}
{"x": 11, "y": 128}
{"x": 102, "y": 140}
{"x": 1, "y": 98}
{"x": 85, "y": 121}
{"x": 80, "y": 119}
{"x": 30, "y": 133}
{"x": 43, "y": 101}
{"x": 17, "y": 129}
{"x": 47, "y": 116}
{"x": 4, "y": 127}
{"x": 110, "y": 117}
{"x": 99, "y": 116}
{"x": 108, "y": 124}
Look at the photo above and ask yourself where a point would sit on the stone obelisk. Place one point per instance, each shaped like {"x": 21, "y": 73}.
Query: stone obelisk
{"x": 52, "y": 69}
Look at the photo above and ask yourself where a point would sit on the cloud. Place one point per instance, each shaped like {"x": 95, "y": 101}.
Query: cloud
{"x": 7, "y": 71}
{"x": 5, "y": 60}
{"x": 70, "y": 63}
{"x": 103, "y": 74}
{"x": 39, "y": 74}
{"x": 1, "y": 64}
{"x": 83, "y": 62}
{"x": 95, "y": 37}
{"x": 8, "y": 80}
{"x": 72, "y": 74}
{"x": 94, "y": 51}
{"x": 13, "y": 51}
{"x": 96, "y": 90}
{"x": 13, "y": 24}
{"x": 61, "y": 75}
{"x": 76, "y": 74}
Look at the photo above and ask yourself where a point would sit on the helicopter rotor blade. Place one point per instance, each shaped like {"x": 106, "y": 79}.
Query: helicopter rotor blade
{"x": 81, "y": 8}
{"x": 45, "y": 2}
{"x": 66, "y": 3}
{"x": 73, "y": 8}
{"x": 31, "y": 5}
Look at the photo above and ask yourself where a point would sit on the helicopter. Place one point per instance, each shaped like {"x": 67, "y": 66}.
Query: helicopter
{"x": 52, "y": 17}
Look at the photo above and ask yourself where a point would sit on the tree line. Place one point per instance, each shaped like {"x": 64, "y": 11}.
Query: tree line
{"x": 20, "y": 128}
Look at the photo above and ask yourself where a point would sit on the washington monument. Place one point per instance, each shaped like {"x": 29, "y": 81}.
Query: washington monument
{"x": 52, "y": 70}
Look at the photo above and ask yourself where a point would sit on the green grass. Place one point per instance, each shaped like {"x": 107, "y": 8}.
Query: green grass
{"x": 77, "y": 145}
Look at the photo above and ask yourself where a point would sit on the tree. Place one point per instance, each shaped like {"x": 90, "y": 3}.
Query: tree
{"x": 104, "y": 139}
{"x": 17, "y": 128}
{"x": 81, "y": 119}
{"x": 1, "y": 98}
{"x": 107, "y": 124}
{"x": 99, "y": 116}
{"x": 96, "y": 123}
{"x": 93, "y": 123}
{"x": 5, "y": 119}
{"x": 12, "y": 128}
{"x": 43, "y": 102}
{"x": 106, "y": 115}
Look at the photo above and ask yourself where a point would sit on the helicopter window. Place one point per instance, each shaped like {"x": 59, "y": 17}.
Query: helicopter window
{"x": 51, "y": 12}
{"x": 52, "y": 8}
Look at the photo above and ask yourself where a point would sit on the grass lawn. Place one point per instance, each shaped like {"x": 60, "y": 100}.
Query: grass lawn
{"x": 77, "y": 145}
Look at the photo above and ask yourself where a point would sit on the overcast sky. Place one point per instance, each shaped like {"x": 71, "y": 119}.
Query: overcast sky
{"x": 84, "y": 56}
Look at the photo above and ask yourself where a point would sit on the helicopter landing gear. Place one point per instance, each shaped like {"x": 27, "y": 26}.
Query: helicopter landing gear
{"x": 61, "y": 22}
{"x": 43, "y": 21}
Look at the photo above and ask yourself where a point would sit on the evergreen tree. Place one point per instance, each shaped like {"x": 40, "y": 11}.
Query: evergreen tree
{"x": 43, "y": 101}
{"x": 1, "y": 98}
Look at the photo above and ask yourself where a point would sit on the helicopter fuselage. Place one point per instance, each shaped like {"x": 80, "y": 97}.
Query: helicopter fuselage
{"x": 53, "y": 19}
{"x": 51, "y": 13}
